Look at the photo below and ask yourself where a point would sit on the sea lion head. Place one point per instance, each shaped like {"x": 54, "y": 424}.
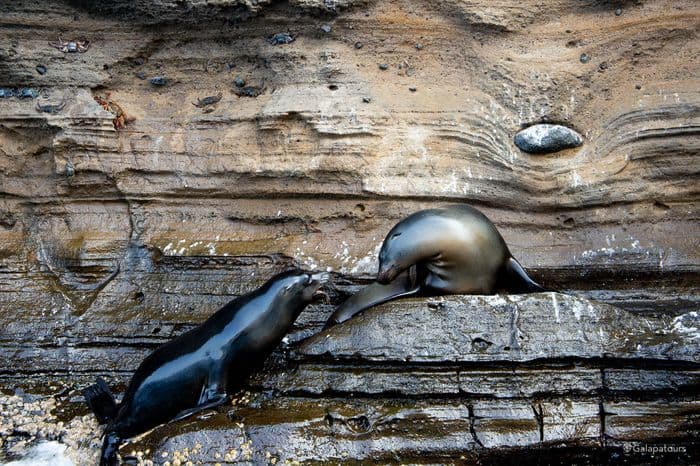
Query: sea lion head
{"x": 298, "y": 287}
{"x": 410, "y": 242}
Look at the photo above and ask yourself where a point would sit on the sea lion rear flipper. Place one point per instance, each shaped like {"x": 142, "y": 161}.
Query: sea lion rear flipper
{"x": 110, "y": 447}
{"x": 101, "y": 401}
{"x": 213, "y": 403}
{"x": 405, "y": 284}
{"x": 514, "y": 279}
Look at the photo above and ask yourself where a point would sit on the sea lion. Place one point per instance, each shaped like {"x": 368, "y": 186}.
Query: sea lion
{"x": 448, "y": 250}
{"x": 201, "y": 368}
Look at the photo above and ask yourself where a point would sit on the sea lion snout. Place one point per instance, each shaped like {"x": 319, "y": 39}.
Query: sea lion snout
{"x": 314, "y": 284}
{"x": 387, "y": 274}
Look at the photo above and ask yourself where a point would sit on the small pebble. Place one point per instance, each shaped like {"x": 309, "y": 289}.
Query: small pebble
{"x": 238, "y": 81}
{"x": 281, "y": 38}
{"x": 637, "y": 86}
{"x": 584, "y": 58}
{"x": 419, "y": 46}
{"x": 141, "y": 75}
{"x": 248, "y": 91}
{"x": 41, "y": 69}
{"x": 603, "y": 66}
{"x": 366, "y": 100}
{"x": 27, "y": 93}
{"x": 70, "y": 170}
{"x": 326, "y": 28}
{"x": 358, "y": 45}
{"x": 412, "y": 89}
{"x": 618, "y": 11}
{"x": 383, "y": 66}
{"x": 159, "y": 81}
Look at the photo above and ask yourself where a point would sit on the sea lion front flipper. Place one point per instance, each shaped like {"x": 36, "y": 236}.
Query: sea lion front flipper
{"x": 213, "y": 394}
{"x": 212, "y": 403}
{"x": 405, "y": 284}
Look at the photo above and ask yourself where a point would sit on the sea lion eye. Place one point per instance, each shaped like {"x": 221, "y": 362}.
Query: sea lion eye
{"x": 395, "y": 235}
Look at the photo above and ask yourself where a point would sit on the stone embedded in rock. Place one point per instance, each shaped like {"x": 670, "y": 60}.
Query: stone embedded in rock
{"x": 248, "y": 91}
{"x": 159, "y": 81}
{"x": 238, "y": 81}
{"x": 27, "y": 93}
{"x": 545, "y": 138}
{"x": 70, "y": 169}
{"x": 281, "y": 38}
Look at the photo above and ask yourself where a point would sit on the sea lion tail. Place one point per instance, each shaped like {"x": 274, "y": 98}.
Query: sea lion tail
{"x": 101, "y": 401}
{"x": 514, "y": 279}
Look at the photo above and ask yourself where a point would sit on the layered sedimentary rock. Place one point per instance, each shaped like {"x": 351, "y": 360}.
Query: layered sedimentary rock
{"x": 113, "y": 239}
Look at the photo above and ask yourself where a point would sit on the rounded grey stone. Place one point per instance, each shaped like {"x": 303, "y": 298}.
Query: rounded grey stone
{"x": 69, "y": 170}
{"x": 545, "y": 138}
{"x": 159, "y": 81}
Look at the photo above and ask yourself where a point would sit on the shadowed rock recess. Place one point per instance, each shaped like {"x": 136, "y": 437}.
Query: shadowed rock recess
{"x": 187, "y": 155}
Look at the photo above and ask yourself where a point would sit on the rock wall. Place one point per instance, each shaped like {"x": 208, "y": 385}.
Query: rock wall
{"x": 127, "y": 219}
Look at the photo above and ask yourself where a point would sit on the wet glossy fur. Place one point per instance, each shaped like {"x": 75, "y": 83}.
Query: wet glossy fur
{"x": 198, "y": 369}
{"x": 448, "y": 250}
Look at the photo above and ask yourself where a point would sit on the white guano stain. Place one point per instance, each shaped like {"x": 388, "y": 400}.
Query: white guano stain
{"x": 556, "y": 307}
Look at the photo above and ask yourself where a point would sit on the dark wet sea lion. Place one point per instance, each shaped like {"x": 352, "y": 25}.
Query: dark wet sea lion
{"x": 449, "y": 250}
{"x": 199, "y": 369}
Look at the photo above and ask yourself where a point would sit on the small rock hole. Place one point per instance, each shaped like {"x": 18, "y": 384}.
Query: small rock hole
{"x": 333, "y": 87}
{"x": 359, "y": 423}
{"x": 661, "y": 205}
{"x": 479, "y": 344}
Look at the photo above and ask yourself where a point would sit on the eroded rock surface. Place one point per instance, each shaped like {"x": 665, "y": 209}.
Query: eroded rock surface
{"x": 517, "y": 328}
